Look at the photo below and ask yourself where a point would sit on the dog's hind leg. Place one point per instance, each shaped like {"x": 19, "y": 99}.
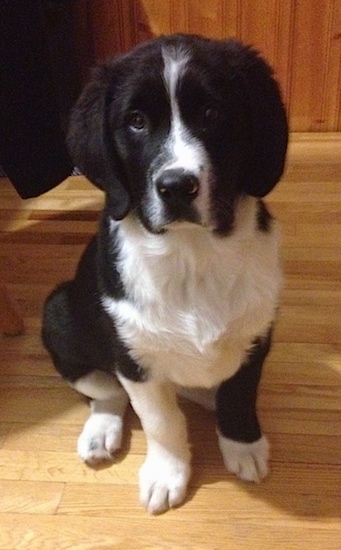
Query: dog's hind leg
{"x": 102, "y": 432}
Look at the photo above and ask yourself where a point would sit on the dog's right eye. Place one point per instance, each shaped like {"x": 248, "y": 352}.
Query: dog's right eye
{"x": 137, "y": 121}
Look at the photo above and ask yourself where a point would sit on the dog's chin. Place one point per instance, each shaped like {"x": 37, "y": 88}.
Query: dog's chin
{"x": 176, "y": 225}
{"x": 158, "y": 223}
{"x": 182, "y": 225}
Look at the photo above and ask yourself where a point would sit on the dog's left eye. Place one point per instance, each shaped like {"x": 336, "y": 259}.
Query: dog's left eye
{"x": 137, "y": 121}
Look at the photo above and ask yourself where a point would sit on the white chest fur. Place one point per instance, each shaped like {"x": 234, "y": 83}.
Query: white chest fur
{"x": 196, "y": 301}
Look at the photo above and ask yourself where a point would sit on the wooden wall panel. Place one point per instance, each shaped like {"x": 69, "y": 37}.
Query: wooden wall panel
{"x": 300, "y": 38}
{"x": 315, "y": 66}
{"x": 267, "y": 26}
{"x": 335, "y": 68}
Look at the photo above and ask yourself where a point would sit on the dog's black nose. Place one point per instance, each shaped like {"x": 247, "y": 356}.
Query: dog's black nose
{"x": 177, "y": 185}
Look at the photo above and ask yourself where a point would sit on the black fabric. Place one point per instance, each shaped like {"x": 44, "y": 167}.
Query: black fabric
{"x": 39, "y": 83}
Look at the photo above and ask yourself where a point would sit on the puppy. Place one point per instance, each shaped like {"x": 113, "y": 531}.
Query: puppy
{"x": 179, "y": 288}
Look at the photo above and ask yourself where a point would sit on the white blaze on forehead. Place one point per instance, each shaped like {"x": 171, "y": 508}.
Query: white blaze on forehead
{"x": 175, "y": 62}
{"x": 184, "y": 150}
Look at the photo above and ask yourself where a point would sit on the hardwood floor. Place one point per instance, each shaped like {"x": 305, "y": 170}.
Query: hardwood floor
{"x": 50, "y": 500}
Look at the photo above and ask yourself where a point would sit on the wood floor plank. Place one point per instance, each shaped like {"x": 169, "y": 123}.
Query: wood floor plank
{"x": 43, "y": 532}
{"x": 61, "y": 467}
{"x": 323, "y": 324}
{"x": 27, "y": 497}
{"x": 87, "y": 500}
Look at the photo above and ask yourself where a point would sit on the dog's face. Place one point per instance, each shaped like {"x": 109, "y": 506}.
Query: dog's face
{"x": 178, "y": 129}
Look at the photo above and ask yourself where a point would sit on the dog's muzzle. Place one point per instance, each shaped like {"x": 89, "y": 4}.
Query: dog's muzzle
{"x": 177, "y": 190}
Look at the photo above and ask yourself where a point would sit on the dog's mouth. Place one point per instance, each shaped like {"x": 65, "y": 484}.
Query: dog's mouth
{"x": 181, "y": 214}
{"x": 171, "y": 220}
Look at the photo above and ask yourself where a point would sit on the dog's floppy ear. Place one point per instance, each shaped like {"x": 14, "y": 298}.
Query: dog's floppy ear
{"x": 88, "y": 141}
{"x": 269, "y": 128}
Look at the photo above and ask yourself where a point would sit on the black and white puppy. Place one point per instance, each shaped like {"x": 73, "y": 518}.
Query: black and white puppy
{"x": 179, "y": 289}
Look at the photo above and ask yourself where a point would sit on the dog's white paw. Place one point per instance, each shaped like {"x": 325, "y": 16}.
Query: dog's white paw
{"x": 163, "y": 483}
{"x": 100, "y": 438}
{"x": 249, "y": 461}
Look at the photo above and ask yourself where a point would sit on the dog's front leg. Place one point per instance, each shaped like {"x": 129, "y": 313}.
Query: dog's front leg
{"x": 244, "y": 448}
{"x": 165, "y": 473}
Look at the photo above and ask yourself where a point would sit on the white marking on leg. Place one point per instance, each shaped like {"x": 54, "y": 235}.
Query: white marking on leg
{"x": 102, "y": 432}
{"x": 165, "y": 473}
{"x": 249, "y": 461}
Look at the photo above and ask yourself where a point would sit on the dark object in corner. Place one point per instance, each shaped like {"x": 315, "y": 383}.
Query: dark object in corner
{"x": 39, "y": 83}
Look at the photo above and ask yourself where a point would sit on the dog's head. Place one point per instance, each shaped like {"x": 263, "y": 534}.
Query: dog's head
{"x": 178, "y": 129}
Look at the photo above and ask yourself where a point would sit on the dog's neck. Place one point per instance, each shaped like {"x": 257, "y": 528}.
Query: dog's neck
{"x": 186, "y": 259}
